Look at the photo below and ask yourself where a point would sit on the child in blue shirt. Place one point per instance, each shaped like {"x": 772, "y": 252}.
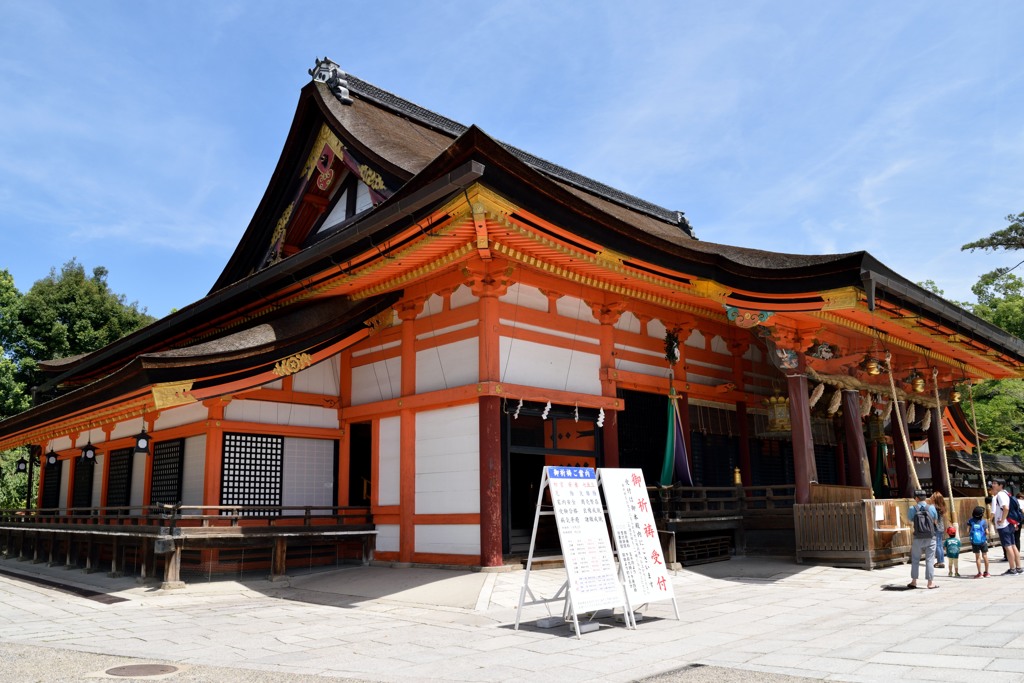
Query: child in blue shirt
{"x": 977, "y": 527}
{"x": 952, "y": 548}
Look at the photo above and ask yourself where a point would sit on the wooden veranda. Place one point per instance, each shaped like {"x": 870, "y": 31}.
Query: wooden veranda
{"x": 154, "y": 540}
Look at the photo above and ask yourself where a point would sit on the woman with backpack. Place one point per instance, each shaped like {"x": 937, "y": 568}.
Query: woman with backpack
{"x": 922, "y": 516}
{"x": 939, "y": 502}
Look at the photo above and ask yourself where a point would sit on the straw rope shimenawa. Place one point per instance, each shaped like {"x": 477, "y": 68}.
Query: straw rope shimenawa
{"x": 945, "y": 464}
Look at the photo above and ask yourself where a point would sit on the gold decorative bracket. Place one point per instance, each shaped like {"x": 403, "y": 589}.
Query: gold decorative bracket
{"x": 170, "y": 394}
{"x": 292, "y": 364}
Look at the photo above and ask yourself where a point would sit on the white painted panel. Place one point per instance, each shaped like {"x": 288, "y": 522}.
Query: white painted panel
{"x": 193, "y": 475}
{"x": 97, "y": 479}
{"x": 527, "y": 297}
{"x": 462, "y": 296}
{"x": 377, "y": 381}
{"x": 308, "y": 474}
{"x": 387, "y": 537}
{"x": 433, "y": 305}
{"x": 629, "y": 322}
{"x": 65, "y": 472}
{"x": 430, "y": 334}
{"x": 452, "y": 539}
{"x": 389, "y": 473}
{"x": 642, "y": 368}
{"x": 139, "y": 463}
{"x": 448, "y": 460}
{"x": 126, "y": 428}
{"x": 61, "y": 444}
{"x": 656, "y": 329}
{"x": 719, "y": 345}
{"x": 276, "y": 385}
{"x": 363, "y": 199}
{"x": 702, "y": 379}
{"x": 549, "y": 367}
{"x": 449, "y": 365}
{"x": 572, "y": 307}
{"x": 175, "y": 417}
{"x": 719, "y": 368}
{"x": 637, "y": 349}
{"x": 578, "y": 333}
{"x": 363, "y": 350}
{"x": 696, "y": 340}
{"x": 753, "y": 354}
{"x": 291, "y": 414}
{"x": 321, "y": 378}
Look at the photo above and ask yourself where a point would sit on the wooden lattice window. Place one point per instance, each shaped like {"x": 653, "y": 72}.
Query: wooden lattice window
{"x": 165, "y": 486}
{"x": 51, "y": 485}
{"x": 119, "y": 481}
{"x": 81, "y": 491}
{"x": 252, "y": 471}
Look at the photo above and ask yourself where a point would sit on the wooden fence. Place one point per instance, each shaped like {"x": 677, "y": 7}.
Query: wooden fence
{"x": 866, "y": 534}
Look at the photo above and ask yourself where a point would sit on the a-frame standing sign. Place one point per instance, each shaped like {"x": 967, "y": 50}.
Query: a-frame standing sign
{"x": 592, "y": 582}
{"x": 641, "y": 559}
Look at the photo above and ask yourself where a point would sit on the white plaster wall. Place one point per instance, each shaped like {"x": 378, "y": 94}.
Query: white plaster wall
{"x": 462, "y": 297}
{"x": 378, "y": 381}
{"x": 433, "y": 305}
{"x": 321, "y": 378}
{"x": 572, "y": 307}
{"x": 193, "y": 475}
{"x": 448, "y": 460}
{"x": 430, "y": 334}
{"x": 656, "y": 329}
{"x": 387, "y": 537}
{"x": 175, "y": 417}
{"x": 549, "y": 367}
{"x": 388, "y": 471}
{"x": 696, "y": 340}
{"x": 97, "y": 479}
{"x": 449, "y": 365}
{"x": 719, "y": 345}
{"x": 308, "y": 473}
{"x": 526, "y": 296}
{"x": 375, "y": 348}
{"x": 637, "y": 349}
{"x": 454, "y": 539}
{"x": 271, "y": 412}
{"x": 140, "y": 462}
{"x": 127, "y": 428}
{"x": 753, "y": 354}
{"x": 276, "y": 385}
{"x": 629, "y": 322}
{"x": 61, "y": 444}
{"x": 642, "y": 368}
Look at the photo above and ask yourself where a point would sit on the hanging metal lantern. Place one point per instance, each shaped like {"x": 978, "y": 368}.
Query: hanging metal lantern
{"x": 778, "y": 414}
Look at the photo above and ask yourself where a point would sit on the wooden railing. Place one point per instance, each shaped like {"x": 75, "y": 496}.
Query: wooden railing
{"x": 827, "y": 493}
{"x": 868, "y": 533}
{"x": 674, "y": 503}
{"x": 154, "y": 517}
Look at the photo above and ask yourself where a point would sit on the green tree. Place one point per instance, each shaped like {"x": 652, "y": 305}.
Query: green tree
{"x": 64, "y": 314}
{"x": 13, "y": 483}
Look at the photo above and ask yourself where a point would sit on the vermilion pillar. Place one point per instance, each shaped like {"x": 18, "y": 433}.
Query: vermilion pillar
{"x": 857, "y": 471}
{"x": 490, "y": 429}
{"x": 904, "y": 481}
{"x": 936, "y": 453}
{"x": 805, "y": 471}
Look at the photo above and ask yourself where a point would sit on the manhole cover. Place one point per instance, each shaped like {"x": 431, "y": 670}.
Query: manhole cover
{"x": 140, "y": 670}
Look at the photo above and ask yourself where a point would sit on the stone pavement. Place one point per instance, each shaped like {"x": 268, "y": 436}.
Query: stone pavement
{"x": 745, "y": 619}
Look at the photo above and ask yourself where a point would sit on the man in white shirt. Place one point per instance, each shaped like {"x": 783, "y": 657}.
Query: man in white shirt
{"x": 1000, "y": 512}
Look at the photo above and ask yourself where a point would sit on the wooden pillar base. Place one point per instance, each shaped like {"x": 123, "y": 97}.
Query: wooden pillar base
{"x": 172, "y": 571}
{"x": 279, "y": 560}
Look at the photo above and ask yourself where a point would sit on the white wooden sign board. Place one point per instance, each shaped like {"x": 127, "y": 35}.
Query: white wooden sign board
{"x": 583, "y": 533}
{"x": 641, "y": 560}
{"x": 592, "y": 581}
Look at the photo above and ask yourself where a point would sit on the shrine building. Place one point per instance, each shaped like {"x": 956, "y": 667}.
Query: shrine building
{"x": 419, "y": 317}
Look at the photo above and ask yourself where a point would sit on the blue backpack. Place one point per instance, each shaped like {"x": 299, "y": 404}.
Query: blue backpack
{"x": 979, "y": 531}
{"x": 1015, "y": 515}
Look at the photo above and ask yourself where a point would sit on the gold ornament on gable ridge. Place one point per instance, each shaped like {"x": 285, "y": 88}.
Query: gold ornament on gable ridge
{"x": 292, "y": 364}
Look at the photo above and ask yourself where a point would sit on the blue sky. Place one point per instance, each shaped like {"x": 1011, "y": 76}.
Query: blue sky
{"x": 141, "y": 135}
